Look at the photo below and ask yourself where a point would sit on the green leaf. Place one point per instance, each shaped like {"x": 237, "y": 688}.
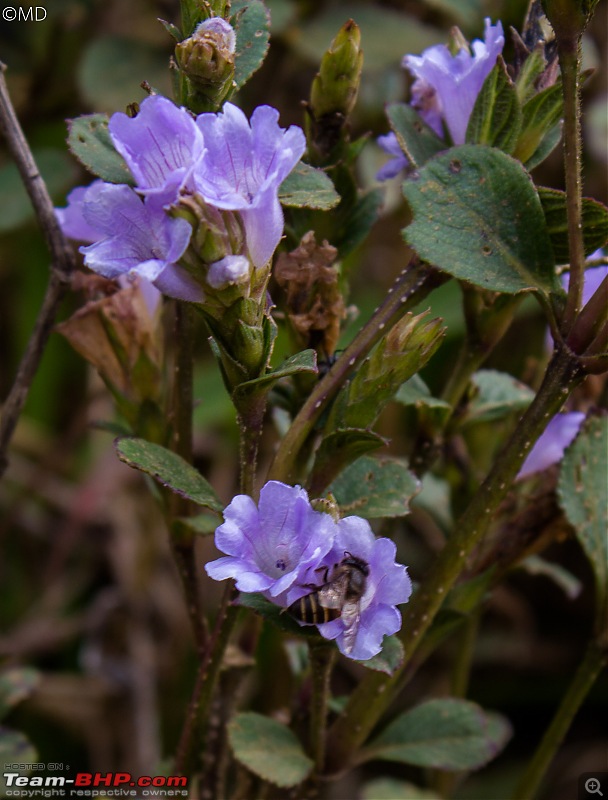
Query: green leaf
{"x": 89, "y": 140}
{"x": 446, "y": 734}
{"x": 497, "y": 394}
{"x": 402, "y": 352}
{"x": 269, "y": 749}
{"x": 59, "y": 173}
{"x": 477, "y": 216}
{"x": 14, "y": 748}
{"x": 540, "y": 115}
{"x": 496, "y": 118}
{"x": 169, "y": 469}
{"x": 530, "y": 71}
{"x": 432, "y": 411}
{"x": 308, "y": 187}
{"x": 252, "y": 28}
{"x": 305, "y": 361}
{"x": 595, "y": 223}
{"x": 275, "y": 614}
{"x": 418, "y": 141}
{"x": 567, "y": 582}
{"x": 546, "y": 147}
{"x": 389, "y": 659}
{"x": 583, "y": 495}
{"x": 16, "y": 683}
{"x": 393, "y": 789}
{"x": 339, "y": 449}
{"x": 355, "y": 222}
{"x": 373, "y": 487}
{"x": 112, "y": 69}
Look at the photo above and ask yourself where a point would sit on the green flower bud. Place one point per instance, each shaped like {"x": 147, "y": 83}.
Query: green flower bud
{"x": 457, "y": 41}
{"x": 242, "y": 323}
{"x": 206, "y": 61}
{"x": 334, "y": 90}
{"x": 215, "y": 233}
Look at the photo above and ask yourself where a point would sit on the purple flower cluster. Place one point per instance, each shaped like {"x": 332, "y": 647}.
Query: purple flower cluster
{"x": 445, "y": 90}
{"x": 281, "y": 546}
{"x": 222, "y": 159}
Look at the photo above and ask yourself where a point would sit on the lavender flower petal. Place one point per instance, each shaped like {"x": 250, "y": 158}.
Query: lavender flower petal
{"x": 227, "y": 271}
{"x": 71, "y": 219}
{"x": 399, "y": 162}
{"x": 549, "y": 448}
{"x": 455, "y": 80}
{"x": 243, "y": 168}
{"x": 160, "y": 145}
{"x": 387, "y": 585}
{"x": 271, "y": 547}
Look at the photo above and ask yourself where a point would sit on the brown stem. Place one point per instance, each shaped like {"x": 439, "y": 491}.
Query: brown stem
{"x": 62, "y": 266}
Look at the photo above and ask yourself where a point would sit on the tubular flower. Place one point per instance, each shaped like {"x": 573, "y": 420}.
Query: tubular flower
{"x": 445, "y": 90}
{"x": 243, "y": 168}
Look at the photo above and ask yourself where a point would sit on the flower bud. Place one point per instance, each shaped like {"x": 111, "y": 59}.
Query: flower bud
{"x": 242, "y": 322}
{"x": 334, "y": 90}
{"x": 206, "y": 61}
{"x": 215, "y": 233}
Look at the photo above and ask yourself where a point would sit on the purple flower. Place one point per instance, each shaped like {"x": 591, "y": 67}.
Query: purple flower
{"x": 271, "y": 546}
{"x": 136, "y": 236}
{"x": 550, "y": 446}
{"x": 71, "y": 219}
{"x": 392, "y": 168}
{"x": 447, "y": 86}
{"x": 160, "y": 145}
{"x": 243, "y": 168}
{"x": 387, "y": 585}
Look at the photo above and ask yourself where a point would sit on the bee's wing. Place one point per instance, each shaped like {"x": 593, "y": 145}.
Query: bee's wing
{"x": 350, "y": 616}
{"x": 332, "y": 594}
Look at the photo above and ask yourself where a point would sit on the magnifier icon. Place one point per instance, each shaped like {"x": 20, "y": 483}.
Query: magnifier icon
{"x": 592, "y": 785}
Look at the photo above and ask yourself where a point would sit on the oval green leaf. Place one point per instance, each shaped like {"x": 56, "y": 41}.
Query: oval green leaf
{"x": 583, "y": 495}
{"x": 446, "y": 734}
{"x": 89, "y": 140}
{"x": 252, "y": 28}
{"x": 269, "y": 749}
{"x": 307, "y": 187}
{"x": 375, "y": 487}
{"x": 477, "y": 216}
{"x": 169, "y": 469}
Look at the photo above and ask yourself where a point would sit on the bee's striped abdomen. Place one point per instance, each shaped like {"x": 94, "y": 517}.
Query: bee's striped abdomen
{"x": 309, "y": 611}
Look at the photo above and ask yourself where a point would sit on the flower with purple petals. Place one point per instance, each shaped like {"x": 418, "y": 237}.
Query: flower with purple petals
{"x": 446, "y": 86}
{"x": 398, "y": 162}
{"x": 243, "y": 167}
{"x": 271, "y": 546}
{"x": 387, "y": 585}
{"x": 549, "y": 448}
{"x": 161, "y": 146}
{"x": 136, "y": 236}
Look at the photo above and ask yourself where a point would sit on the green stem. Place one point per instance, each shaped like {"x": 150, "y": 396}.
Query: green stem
{"x": 412, "y": 285}
{"x": 590, "y": 667}
{"x": 322, "y": 658}
{"x": 569, "y": 59}
{"x": 374, "y": 693}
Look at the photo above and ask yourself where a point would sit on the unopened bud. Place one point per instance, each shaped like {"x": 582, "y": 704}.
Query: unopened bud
{"x": 206, "y": 60}
{"x": 457, "y": 41}
{"x": 334, "y": 90}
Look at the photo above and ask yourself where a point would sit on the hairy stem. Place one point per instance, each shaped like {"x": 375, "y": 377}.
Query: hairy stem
{"x": 412, "y": 285}
{"x": 589, "y": 668}
{"x": 322, "y": 658}
{"x": 62, "y": 266}
{"x": 569, "y": 59}
{"x": 375, "y": 692}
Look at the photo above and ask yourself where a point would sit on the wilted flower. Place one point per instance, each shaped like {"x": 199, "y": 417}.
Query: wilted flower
{"x": 387, "y": 585}
{"x": 271, "y": 546}
{"x": 447, "y": 85}
{"x": 550, "y": 446}
{"x": 284, "y": 549}
{"x": 243, "y": 168}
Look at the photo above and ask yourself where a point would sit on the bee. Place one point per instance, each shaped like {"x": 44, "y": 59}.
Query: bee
{"x": 339, "y": 595}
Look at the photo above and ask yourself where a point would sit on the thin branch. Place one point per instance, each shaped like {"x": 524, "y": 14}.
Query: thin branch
{"x": 62, "y": 265}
